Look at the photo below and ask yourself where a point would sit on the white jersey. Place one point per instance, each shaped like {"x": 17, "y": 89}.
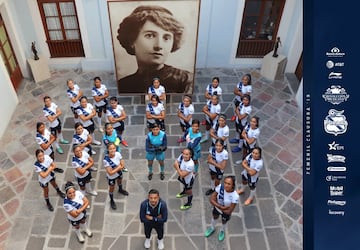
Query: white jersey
{"x": 159, "y": 91}
{"x": 187, "y": 166}
{"x": 254, "y": 164}
{"x": 41, "y": 139}
{"x": 213, "y": 109}
{"x": 116, "y": 113}
{"x": 186, "y": 111}
{"x": 221, "y": 132}
{"x": 228, "y": 198}
{"x": 79, "y": 163}
{"x": 211, "y": 90}
{"x": 243, "y": 110}
{"x": 50, "y": 111}
{"x": 219, "y": 157}
{"x": 42, "y": 167}
{"x": 80, "y": 139}
{"x": 99, "y": 92}
{"x": 76, "y": 203}
{"x": 252, "y": 133}
{"x": 73, "y": 93}
{"x": 243, "y": 89}
{"x": 112, "y": 162}
{"x": 85, "y": 111}
{"x": 154, "y": 110}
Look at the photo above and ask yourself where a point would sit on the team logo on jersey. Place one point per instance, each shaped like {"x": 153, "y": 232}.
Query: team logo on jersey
{"x": 335, "y": 52}
{"x": 336, "y": 190}
{"x": 335, "y": 75}
{"x": 336, "y": 169}
{"x": 335, "y": 94}
{"x": 335, "y": 122}
{"x": 335, "y": 177}
{"x": 336, "y": 202}
{"x": 335, "y": 158}
{"x": 335, "y": 146}
{"x": 330, "y": 64}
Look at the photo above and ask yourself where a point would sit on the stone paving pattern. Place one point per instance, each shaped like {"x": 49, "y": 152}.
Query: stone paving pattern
{"x": 273, "y": 221}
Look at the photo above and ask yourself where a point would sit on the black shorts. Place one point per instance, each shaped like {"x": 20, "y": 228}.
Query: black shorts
{"x": 74, "y": 110}
{"x": 83, "y": 181}
{"x": 91, "y": 128}
{"x": 247, "y": 179}
{"x": 112, "y": 182}
{"x": 185, "y": 125}
{"x": 121, "y": 128}
{"x": 101, "y": 108}
{"x": 77, "y": 223}
{"x": 224, "y": 217}
{"x": 56, "y": 129}
{"x": 187, "y": 186}
{"x": 47, "y": 184}
{"x": 239, "y": 127}
{"x": 218, "y": 174}
{"x": 236, "y": 103}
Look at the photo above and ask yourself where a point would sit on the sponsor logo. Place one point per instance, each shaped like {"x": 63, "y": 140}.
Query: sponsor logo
{"x": 335, "y": 122}
{"x": 335, "y": 146}
{"x": 335, "y": 202}
{"x": 336, "y": 169}
{"x": 334, "y": 212}
{"x": 335, "y": 94}
{"x": 336, "y": 190}
{"x": 335, "y": 52}
{"x": 330, "y": 64}
{"x": 335, "y": 177}
{"x": 335, "y": 75}
{"x": 335, "y": 158}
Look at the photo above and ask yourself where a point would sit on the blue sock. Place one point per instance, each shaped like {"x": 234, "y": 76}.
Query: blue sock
{"x": 162, "y": 168}
{"x": 196, "y": 168}
{"x": 150, "y": 169}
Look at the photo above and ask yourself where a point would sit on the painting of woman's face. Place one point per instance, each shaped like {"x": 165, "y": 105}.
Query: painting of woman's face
{"x": 153, "y": 44}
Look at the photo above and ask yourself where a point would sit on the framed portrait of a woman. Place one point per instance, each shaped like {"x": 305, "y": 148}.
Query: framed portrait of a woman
{"x": 154, "y": 39}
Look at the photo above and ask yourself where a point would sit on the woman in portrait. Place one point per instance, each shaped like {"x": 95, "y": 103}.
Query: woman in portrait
{"x": 151, "y": 33}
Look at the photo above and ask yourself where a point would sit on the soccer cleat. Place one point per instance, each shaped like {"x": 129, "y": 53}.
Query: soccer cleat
{"x": 234, "y": 140}
{"x": 101, "y": 130}
{"x": 147, "y": 243}
{"x": 162, "y": 176}
{"x": 88, "y": 232}
{"x": 93, "y": 152}
{"x": 61, "y": 194}
{"x": 203, "y": 122}
{"x": 150, "y": 176}
{"x": 238, "y": 162}
{"x": 209, "y": 231}
{"x": 125, "y": 170}
{"x": 59, "y": 170}
{"x": 94, "y": 169}
{"x": 92, "y": 192}
{"x": 233, "y": 118}
{"x": 59, "y": 150}
{"x": 80, "y": 236}
{"x": 180, "y": 195}
{"x": 185, "y": 207}
{"x": 63, "y": 141}
{"x": 123, "y": 142}
{"x": 180, "y": 140}
{"x": 112, "y": 204}
{"x": 236, "y": 149}
{"x": 95, "y": 142}
{"x": 50, "y": 207}
{"x": 210, "y": 191}
{"x": 240, "y": 191}
{"x": 221, "y": 235}
{"x": 204, "y": 140}
{"x": 123, "y": 192}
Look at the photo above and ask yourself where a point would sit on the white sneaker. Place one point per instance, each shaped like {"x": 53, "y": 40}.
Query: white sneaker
{"x": 93, "y": 152}
{"x": 147, "y": 243}
{"x": 92, "y": 192}
{"x": 80, "y": 236}
{"x": 161, "y": 244}
{"x": 101, "y": 130}
{"x": 93, "y": 169}
{"x": 88, "y": 232}
{"x": 88, "y": 206}
{"x": 95, "y": 142}
{"x": 238, "y": 162}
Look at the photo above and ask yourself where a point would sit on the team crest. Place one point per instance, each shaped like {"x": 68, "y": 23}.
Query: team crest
{"x": 335, "y": 122}
{"x": 335, "y": 94}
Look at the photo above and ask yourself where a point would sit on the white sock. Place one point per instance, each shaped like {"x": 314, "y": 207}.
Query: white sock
{"x": 60, "y": 136}
{"x": 213, "y": 223}
{"x": 252, "y": 193}
{"x": 93, "y": 137}
{"x": 237, "y": 136}
{"x": 98, "y": 121}
{"x": 223, "y": 227}
{"x": 88, "y": 187}
{"x": 212, "y": 184}
{"x": 56, "y": 144}
{"x": 241, "y": 142}
{"x": 207, "y": 134}
{"x": 82, "y": 191}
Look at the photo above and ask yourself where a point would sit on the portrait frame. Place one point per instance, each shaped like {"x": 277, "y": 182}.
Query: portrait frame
{"x": 177, "y": 76}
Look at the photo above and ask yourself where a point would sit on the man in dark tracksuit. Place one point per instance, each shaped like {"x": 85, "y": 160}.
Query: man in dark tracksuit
{"x": 153, "y": 213}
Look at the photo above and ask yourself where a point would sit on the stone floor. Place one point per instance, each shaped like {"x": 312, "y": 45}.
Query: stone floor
{"x": 273, "y": 221}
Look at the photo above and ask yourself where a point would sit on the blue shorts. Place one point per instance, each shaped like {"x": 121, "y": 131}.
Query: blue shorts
{"x": 197, "y": 155}
{"x": 160, "y": 156}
